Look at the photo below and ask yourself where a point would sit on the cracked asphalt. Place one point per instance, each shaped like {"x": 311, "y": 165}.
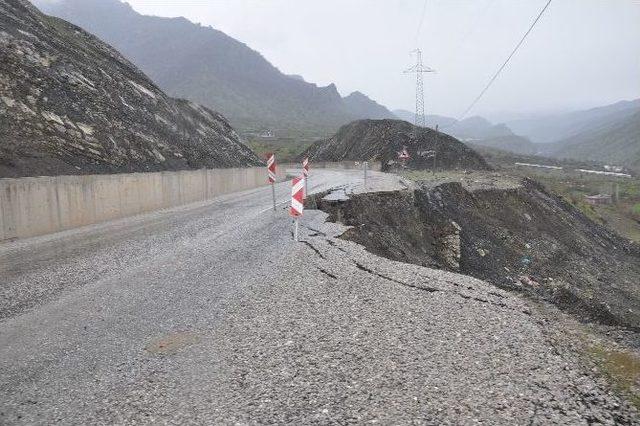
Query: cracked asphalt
{"x": 211, "y": 314}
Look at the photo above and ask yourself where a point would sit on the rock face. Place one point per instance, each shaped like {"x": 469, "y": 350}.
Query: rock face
{"x": 382, "y": 140}
{"x": 515, "y": 235}
{"x": 71, "y": 104}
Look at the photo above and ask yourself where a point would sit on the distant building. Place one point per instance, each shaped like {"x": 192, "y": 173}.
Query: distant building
{"x": 598, "y": 199}
{"x": 616, "y": 169}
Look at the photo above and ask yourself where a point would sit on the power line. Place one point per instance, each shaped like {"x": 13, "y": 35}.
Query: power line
{"x": 422, "y": 15}
{"x": 495, "y": 76}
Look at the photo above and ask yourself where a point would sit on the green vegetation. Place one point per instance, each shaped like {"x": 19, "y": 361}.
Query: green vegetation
{"x": 622, "y": 369}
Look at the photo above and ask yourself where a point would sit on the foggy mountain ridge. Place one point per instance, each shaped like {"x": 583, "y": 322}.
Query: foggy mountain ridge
{"x": 477, "y": 130}
{"x": 557, "y": 127}
{"x": 469, "y": 128}
{"x": 617, "y": 142}
{"x": 206, "y": 66}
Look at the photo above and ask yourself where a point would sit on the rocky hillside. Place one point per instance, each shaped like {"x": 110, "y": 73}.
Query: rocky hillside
{"x": 71, "y": 104}
{"x": 382, "y": 140}
{"x": 206, "y": 66}
{"x": 508, "y": 231}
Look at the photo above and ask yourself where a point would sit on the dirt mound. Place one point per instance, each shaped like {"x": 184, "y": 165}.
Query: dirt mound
{"x": 382, "y": 140}
{"x": 70, "y": 104}
{"x": 517, "y": 236}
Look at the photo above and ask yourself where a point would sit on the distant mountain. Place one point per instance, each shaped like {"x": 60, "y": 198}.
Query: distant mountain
{"x": 512, "y": 143}
{"x": 207, "y": 66}
{"x": 382, "y": 140}
{"x": 554, "y": 128}
{"x": 431, "y": 120}
{"x": 363, "y": 107}
{"x": 617, "y": 143}
{"x": 477, "y": 130}
{"x": 71, "y": 104}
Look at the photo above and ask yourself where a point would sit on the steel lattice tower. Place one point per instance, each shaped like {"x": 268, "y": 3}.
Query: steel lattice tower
{"x": 419, "y": 69}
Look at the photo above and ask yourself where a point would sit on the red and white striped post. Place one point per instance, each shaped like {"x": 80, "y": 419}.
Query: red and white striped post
{"x": 297, "y": 202}
{"x": 305, "y": 172}
{"x": 271, "y": 170}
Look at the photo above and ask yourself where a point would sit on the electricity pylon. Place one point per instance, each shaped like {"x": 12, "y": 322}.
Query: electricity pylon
{"x": 419, "y": 69}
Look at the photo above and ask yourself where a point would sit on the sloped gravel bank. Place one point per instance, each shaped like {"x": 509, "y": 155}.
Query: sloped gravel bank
{"x": 511, "y": 233}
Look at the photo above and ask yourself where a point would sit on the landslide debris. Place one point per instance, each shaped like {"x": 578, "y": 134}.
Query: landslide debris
{"x": 71, "y": 104}
{"x": 382, "y": 140}
{"x": 510, "y": 232}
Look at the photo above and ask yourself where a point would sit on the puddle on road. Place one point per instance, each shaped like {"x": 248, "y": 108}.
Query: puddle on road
{"x": 172, "y": 343}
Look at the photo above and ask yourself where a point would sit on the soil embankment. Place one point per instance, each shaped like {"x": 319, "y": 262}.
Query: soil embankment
{"x": 71, "y": 104}
{"x": 383, "y": 140}
{"x": 510, "y": 232}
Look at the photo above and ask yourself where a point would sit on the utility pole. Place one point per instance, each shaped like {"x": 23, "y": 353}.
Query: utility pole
{"x": 435, "y": 151}
{"x": 419, "y": 69}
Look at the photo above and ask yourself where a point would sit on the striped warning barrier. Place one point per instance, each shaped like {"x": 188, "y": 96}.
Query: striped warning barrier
{"x": 297, "y": 194}
{"x": 305, "y": 167}
{"x": 271, "y": 167}
{"x": 305, "y": 173}
{"x": 297, "y": 205}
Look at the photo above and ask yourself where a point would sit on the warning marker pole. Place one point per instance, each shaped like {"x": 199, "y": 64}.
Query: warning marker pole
{"x": 271, "y": 170}
{"x": 297, "y": 202}
{"x": 305, "y": 172}
{"x": 365, "y": 166}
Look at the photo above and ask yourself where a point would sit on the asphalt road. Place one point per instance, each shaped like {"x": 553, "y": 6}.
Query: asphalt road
{"x": 211, "y": 314}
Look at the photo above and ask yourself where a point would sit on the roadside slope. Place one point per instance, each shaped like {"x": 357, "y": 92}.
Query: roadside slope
{"x": 70, "y": 104}
{"x": 508, "y": 231}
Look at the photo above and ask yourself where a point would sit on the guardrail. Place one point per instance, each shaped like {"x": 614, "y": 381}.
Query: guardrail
{"x": 34, "y": 206}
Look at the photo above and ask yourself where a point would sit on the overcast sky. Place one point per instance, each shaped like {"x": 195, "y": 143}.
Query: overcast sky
{"x": 582, "y": 53}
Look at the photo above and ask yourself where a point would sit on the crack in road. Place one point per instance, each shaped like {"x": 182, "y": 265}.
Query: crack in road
{"x": 370, "y": 271}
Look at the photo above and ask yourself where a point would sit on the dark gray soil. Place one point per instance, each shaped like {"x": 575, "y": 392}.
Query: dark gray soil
{"x": 382, "y": 140}
{"x": 518, "y": 237}
{"x": 71, "y": 104}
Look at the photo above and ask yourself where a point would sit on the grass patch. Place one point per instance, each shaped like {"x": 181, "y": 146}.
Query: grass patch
{"x": 622, "y": 369}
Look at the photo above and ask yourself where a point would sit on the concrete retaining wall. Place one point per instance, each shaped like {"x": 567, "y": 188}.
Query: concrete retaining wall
{"x": 43, "y": 205}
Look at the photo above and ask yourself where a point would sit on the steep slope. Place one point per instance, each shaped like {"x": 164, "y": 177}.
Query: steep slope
{"x": 617, "y": 143}
{"x": 382, "y": 140}
{"x": 70, "y": 104}
{"x": 558, "y": 127}
{"x": 211, "y": 68}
